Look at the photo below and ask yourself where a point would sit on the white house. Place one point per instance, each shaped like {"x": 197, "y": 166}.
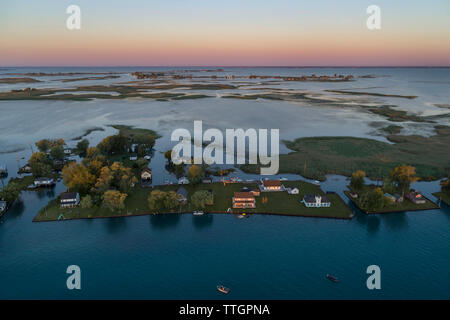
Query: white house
{"x": 316, "y": 201}
{"x": 183, "y": 180}
{"x": 146, "y": 174}
{"x": 2, "y": 206}
{"x": 44, "y": 182}
{"x": 70, "y": 199}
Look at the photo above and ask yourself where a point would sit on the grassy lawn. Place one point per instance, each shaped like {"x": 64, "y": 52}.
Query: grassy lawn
{"x": 278, "y": 203}
{"x": 445, "y": 197}
{"x": 406, "y": 205}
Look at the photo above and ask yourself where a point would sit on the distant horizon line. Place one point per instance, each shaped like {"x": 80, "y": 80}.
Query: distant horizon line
{"x": 219, "y": 66}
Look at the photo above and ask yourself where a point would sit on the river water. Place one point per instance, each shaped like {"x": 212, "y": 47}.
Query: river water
{"x": 185, "y": 257}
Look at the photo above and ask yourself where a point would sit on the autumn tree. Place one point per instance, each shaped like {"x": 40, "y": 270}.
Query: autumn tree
{"x": 171, "y": 200}
{"x": 45, "y": 144}
{"x": 92, "y": 153}
{"x": 10, "y": 192}
{"x": 40, "y": 164}
{"x": 195, "y": 174}
{"x": 357, "y": 180}
{"x": 156, "y": 200}
{"x": 78, "y": 178}
{"x": 201, "y": 198}
{"x": 116, "y": 144}
{"x": 372, "y": 200}
{"x": 57, "y": 152}
{"x": 86, "y": 202}
{"x": 403, "y": 176}
{"x": 104, "y": 180}
{"x": 114, "y": 200}
{"x": 168, "y": 156}
{"x": 123, "y": 177}
{"x": 82, "y": 147}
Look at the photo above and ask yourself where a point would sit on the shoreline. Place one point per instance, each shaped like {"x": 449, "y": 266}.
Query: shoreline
{"x": 346, "y": 192}
{"x": 190, "y": 212}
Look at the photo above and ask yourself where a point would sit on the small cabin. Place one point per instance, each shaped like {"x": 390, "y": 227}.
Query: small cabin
{"x": 271, "y": 185}
{"x": 44, "y": 182}
{"x": 69, "y": 199}
{"x": 146, "y": 175}
{"x": 207, "y": 180}
{"x": 389, "y": 197}
{"x": 292, "y": 190}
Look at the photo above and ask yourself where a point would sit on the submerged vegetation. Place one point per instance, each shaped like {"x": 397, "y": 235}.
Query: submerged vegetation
{"x": 317, "y": 156}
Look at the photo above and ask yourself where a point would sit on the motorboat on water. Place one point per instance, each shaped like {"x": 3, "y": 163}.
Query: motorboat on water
{"x": 223, "y": 289}
{"x": 198, "y": 213}
{"x": 332, "y": 278}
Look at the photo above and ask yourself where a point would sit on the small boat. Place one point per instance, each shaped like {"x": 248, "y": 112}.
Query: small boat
{"x": 198, "y": 213}
{"x": 332, "y": 278}
{"x": 223, "y": 289}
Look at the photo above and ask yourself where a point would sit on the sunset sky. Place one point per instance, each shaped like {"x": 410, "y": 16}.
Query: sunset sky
{"x": 224, "y": 33}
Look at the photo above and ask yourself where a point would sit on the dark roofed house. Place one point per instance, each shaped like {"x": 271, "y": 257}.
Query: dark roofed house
{"x": 182, "y": 195}
{"x": 69, "y": 199}
{"x": 316, "y": 201}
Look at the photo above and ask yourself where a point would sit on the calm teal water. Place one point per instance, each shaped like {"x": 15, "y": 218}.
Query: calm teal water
{"x": 185, "y": 257}
{"x": 263, "y": 257}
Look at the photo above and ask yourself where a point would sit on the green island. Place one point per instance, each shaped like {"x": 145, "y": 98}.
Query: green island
{"x": 357, "y": 93}
{"x": 103, "y": 92}
{"x": 392, "y": 129}
{"x": 278, "y": 203}
{"x": 18, "y": 80}
{"x": 112, "y": 180}
{"x": 90, "y": 78}
{"x": 393, "y": 195}
{"x": 317, "y": 156}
